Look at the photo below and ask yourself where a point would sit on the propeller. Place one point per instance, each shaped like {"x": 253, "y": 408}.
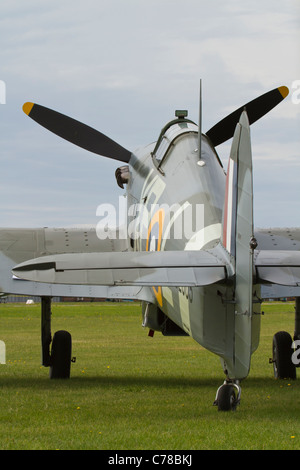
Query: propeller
{"x": 257, "y": 108}
{"x": 76, "y": 132}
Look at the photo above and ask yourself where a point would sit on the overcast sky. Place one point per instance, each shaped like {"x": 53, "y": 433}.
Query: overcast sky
{"x": 123, "y": 67}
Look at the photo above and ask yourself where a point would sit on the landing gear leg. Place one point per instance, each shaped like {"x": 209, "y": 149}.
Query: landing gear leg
{"x": 46, "y": 330}
{"x": 59, "y": 360}
{"x": 228, "y": 396}
{"x": 297, "y": 319}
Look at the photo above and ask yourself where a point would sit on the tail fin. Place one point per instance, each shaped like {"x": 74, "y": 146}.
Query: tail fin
{"x": 237, "y": 224}
{"x": 237, "y": 238}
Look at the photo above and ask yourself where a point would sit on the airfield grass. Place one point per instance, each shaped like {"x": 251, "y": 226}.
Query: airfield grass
{"x": 129, "y": 391}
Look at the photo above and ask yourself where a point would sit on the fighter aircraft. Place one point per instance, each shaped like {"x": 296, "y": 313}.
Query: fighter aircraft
{"x": 190, "y": 253}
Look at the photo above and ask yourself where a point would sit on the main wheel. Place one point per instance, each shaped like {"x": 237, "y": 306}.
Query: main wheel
{"x": 282, "y": 356}
{"x": 227, "y": 400}
{"x": 60, "y": 363}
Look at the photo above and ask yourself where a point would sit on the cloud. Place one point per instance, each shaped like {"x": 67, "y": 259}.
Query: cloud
{"x": 123, "y": 68}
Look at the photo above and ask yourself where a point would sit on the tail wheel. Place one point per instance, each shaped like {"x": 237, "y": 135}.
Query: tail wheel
{"x": 60, "y": 366}
{"x": 282, "y": 356}
{"x": 227, "y": 399}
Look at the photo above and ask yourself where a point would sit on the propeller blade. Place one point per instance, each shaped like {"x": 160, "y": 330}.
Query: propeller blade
{"x": 257, "y": 108}
{"x": 76, "y": 132}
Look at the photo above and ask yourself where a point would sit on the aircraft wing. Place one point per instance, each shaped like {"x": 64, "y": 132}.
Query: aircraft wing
{"x": 50, "y": 259}
{"x": 278, "y": 267}
{"x": 19, "y": 245}
{"x": 163, "y": 268}
{"x": 278, "y": 239}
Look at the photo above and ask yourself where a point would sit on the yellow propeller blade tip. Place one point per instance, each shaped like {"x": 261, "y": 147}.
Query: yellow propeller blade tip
{"x": 284, "y": 91}
{"x": 27, "y": 107}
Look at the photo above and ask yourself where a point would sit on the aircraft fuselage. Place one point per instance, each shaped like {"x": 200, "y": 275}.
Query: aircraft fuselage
{"x": 179, "y": 204}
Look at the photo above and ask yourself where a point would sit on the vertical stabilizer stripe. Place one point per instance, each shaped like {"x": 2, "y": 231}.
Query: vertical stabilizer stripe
{"x": 229, "y": 221}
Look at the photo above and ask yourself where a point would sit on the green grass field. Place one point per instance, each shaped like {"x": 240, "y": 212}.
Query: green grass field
{"x": 130, "y": 391}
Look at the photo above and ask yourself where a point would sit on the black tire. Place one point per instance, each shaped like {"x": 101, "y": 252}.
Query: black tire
{"x": 227, "y": 398}
{"x": 60, "y": 364}
{"x": 282, "y": 356}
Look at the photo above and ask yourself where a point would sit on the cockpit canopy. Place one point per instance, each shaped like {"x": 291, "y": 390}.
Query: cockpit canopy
{"x": 170, "y": 133}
